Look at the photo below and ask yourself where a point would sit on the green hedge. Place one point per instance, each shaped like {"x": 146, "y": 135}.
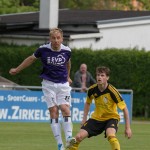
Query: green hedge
{"x": 130, "y": 69}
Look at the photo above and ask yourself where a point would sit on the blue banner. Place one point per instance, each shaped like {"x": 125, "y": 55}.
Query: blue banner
{"x": 29, "y": 106}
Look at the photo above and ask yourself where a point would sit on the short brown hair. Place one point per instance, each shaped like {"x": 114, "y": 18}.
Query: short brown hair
{"x": 103, "y": 69}
{"x": 55, "y": 30}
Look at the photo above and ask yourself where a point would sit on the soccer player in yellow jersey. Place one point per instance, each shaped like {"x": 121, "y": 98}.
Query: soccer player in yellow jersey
{"x": 105, "y": 116}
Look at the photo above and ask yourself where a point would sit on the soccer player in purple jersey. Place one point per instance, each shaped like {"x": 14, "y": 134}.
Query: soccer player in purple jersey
{"x": 55, "y": 58}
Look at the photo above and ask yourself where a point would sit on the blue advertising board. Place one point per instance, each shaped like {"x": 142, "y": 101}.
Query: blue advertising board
{"x": 29, "y": 106}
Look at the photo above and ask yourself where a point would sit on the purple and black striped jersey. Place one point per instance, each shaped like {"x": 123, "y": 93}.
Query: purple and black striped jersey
{"x": 54, "y": 62}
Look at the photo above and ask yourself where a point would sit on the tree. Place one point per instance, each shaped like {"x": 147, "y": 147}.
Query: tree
{"x": 78, "y": 4}
{"x": 15, "y": 6}
{"x": 106, "y": 4}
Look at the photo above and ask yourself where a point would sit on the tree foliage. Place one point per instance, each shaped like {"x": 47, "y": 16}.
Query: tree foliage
{"x": 16, "y": 6}
{"x": 106, "y": 4}
{"x": 133, "y": 4}
{"x": 77, "y": 4}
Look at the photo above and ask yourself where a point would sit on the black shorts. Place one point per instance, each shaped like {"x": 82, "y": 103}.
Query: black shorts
{"x": 95, "y": 127}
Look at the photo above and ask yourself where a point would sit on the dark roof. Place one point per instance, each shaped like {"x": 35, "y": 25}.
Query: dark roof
{"x": 91, "y": 16}
{"x": 27, "y": 23}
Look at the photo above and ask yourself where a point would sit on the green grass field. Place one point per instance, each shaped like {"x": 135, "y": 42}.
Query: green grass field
{"x": 38, "y": 136}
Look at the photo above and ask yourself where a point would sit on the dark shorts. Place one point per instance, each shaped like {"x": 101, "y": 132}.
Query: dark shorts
{"x": 95, "y": 127}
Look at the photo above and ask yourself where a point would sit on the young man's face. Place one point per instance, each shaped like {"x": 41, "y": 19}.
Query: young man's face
{"x": 101, "y": 78}
{"x": 56, "y": 40}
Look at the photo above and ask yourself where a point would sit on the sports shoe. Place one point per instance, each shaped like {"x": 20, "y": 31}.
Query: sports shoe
{"x": 70, "y": 142}
{"x": 60, "y": 147}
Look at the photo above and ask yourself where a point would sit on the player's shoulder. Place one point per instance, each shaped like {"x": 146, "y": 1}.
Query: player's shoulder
{"x": 112, "y": 89}
{"x": 92, "y": 87}
{"x": 64, "y": 47}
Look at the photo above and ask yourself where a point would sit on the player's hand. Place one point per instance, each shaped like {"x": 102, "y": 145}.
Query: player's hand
{"x": 83, "y": 121}
{"x": 13, "y": 71}
{"x": 69, "y": 80}
{"x": 128, "y": 133}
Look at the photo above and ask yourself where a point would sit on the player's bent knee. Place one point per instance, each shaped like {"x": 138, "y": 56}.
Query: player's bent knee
{"x": 79, "y": 138}
{"x": 114, "y": 142}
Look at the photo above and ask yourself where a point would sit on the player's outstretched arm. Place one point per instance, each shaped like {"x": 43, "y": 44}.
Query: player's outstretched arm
{"x": 86, "y": 110}
{"x": 27, "y": 62}
{"x": 128, "y": 132}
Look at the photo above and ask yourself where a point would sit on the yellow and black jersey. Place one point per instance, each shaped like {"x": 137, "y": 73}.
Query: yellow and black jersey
{"x": 106, "y": 102}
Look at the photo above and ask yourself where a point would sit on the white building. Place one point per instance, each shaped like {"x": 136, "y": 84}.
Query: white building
{"x": 95, "y": 29}
{"x": 116, "y": 33}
